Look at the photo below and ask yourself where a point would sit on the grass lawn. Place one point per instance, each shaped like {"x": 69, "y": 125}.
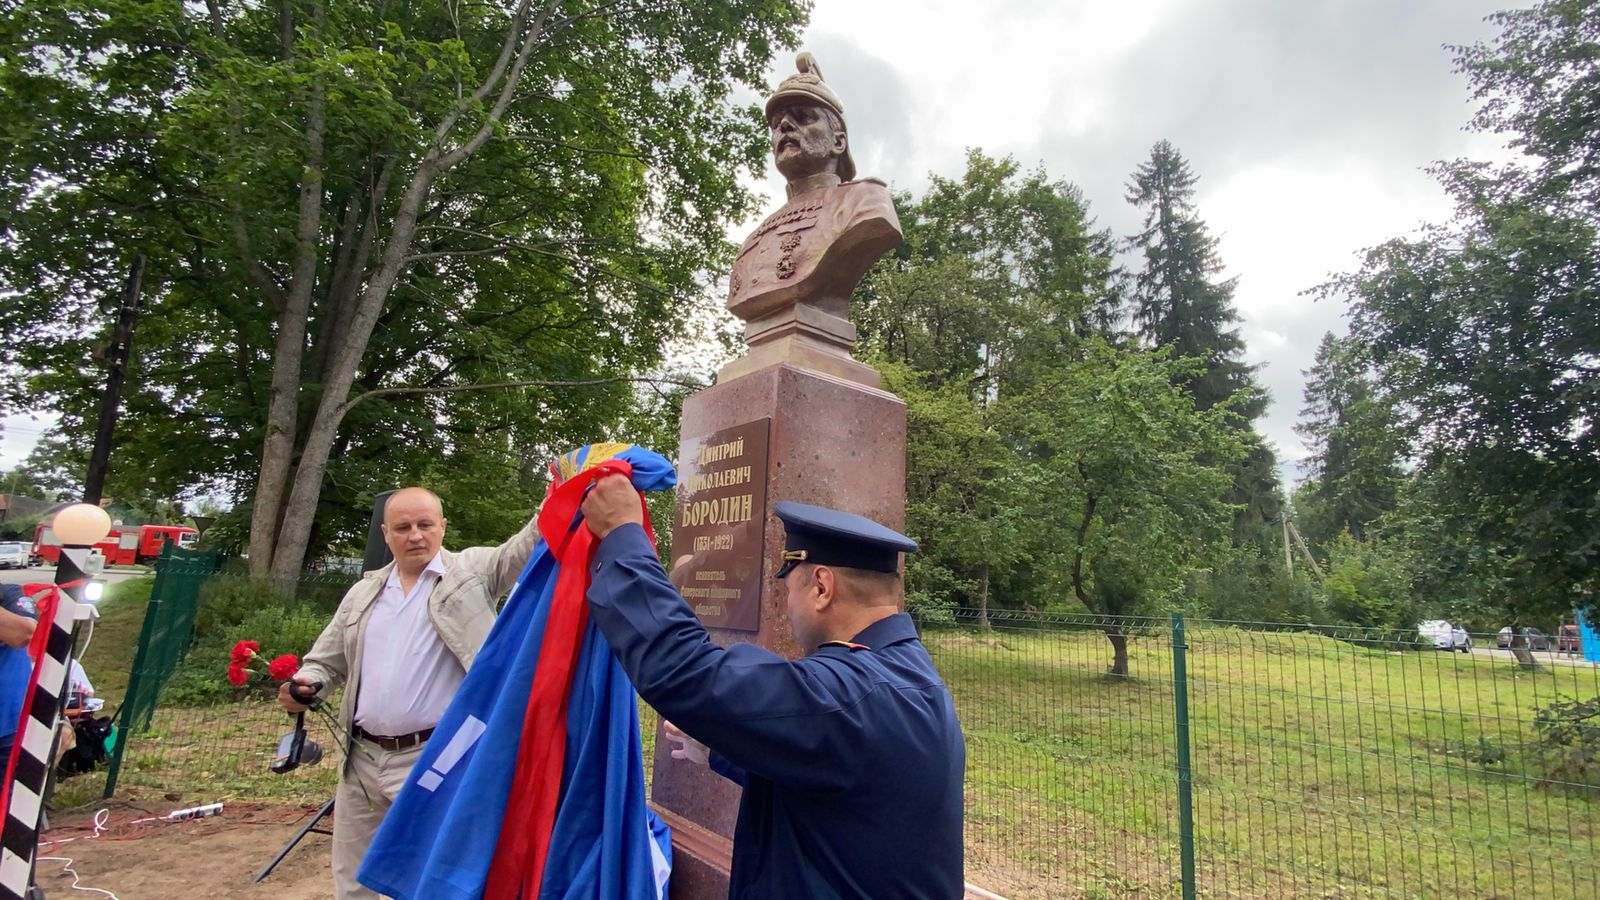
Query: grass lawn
{"x": 109, "y": 655}
{"x": 1319, "y": 769}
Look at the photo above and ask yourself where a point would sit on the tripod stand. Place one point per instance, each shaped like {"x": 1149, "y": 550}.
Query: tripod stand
{"x": 292, "y": 752}
{"x": 311, "y": 826}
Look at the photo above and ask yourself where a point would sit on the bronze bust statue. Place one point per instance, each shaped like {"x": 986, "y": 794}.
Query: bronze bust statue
{"x": 792, "y": 280}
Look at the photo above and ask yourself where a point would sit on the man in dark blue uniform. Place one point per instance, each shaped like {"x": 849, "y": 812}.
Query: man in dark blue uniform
{"x": 17, "y": 621}
{"x": 851, "y": 759}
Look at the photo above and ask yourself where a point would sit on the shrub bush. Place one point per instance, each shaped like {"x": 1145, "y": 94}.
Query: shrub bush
{"x": 322, "y": 593}
{"x": 201, "y": 678}
{"x": 1252, "y": 588}
{"x": 1367, "y": 585}
{"x": 1568, "y": 742}
{"x": 931, "y": 590}
{"x": 227, "y": 600}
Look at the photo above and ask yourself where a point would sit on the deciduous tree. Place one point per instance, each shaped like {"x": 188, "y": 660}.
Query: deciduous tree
{"x": 337, "y": 199}
{"x": 1127, "y": 482}
{"x": 1485, "y": 331}
{"x": 1000, "y": 274}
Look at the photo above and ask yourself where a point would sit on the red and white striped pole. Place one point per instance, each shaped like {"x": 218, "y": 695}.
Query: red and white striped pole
{"x": 79, "y": 527}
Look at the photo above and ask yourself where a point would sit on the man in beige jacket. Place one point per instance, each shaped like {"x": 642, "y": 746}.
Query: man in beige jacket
{"x": 401, "y": 642}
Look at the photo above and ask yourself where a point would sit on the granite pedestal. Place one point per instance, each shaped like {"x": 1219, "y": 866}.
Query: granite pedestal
{"x": 830, "y": 442}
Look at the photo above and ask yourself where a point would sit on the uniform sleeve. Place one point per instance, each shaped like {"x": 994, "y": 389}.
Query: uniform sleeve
{"x": 14, "y": 601}
{"x": 793, "y": 722}
{"x": 720, "y": 765}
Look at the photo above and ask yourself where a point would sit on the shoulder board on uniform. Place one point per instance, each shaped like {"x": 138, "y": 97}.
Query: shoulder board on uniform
{"x": 845, "y": 644}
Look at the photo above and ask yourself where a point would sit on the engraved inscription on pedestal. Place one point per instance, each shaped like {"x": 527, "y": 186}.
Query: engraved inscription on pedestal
{"x": 720, "y": 519}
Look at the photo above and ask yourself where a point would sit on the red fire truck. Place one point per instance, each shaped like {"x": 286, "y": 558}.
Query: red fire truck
{"x": 126, "y": 545}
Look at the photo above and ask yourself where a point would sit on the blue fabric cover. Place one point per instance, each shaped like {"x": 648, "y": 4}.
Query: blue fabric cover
{"x": 437, "y": 844}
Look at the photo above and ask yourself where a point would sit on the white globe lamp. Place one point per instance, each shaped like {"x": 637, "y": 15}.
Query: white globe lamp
{"x": 78, "y": 527}
{"x": 81, "y": 525}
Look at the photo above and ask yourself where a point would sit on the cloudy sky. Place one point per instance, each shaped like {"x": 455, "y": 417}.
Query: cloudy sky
{"x": 1308, "y": 123}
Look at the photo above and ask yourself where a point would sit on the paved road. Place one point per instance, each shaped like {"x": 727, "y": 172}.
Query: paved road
{"x": 1542, "y": 657}
{"x": 48, "y": 574}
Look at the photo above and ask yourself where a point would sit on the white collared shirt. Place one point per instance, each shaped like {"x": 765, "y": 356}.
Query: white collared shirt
{"x": 408, "y": 675}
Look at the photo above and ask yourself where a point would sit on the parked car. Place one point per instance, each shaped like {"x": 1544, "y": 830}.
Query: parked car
{"x": 1568, "y": 640}
{"x": 1445, "y": 636}
{"x": 1537, "y": 640}
{"x": 13, "y": 555}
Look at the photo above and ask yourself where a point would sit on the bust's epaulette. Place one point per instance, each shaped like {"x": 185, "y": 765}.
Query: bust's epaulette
{"x": 869, "y": 180}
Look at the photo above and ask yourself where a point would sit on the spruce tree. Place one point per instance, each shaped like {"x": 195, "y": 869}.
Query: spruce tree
{"x": 1181, "y": 301}
{"x": 1353, "y": 473}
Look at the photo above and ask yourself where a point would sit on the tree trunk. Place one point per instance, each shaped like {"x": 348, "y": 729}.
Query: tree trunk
{"x": 343, "y": 296}
{"x": 1119, "y": 650}
{"x": 294, "y": 534}
{"x": 983, "y": 597}
{"x": 1520, "y": 649}
{"x": 277, "y": 448}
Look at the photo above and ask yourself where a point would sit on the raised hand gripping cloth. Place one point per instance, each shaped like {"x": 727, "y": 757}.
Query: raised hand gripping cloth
{"x": 533, "y": 783}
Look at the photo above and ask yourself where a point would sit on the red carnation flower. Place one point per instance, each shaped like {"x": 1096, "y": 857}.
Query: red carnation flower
{"x": 284, "y": 667}
{"x": 243, "y": 650}
{"x": 237, "y": 675}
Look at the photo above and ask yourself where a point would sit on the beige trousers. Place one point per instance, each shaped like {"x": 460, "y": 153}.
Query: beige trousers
{"x": 370, "y": 783}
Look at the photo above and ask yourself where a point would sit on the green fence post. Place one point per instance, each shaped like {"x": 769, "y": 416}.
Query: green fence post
{"x": 151, "y": 613}
{"x": 1180, "y": 714}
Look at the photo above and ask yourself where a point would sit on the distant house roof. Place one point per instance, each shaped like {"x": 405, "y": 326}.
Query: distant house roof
{"x": 16, "y": 506}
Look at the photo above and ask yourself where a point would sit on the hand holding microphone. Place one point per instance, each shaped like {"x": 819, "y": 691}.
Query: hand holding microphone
{"x": 298, "y": 694}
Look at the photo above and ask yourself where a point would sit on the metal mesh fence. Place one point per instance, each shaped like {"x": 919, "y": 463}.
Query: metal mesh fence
{"x": 1321, "y": 762}
{"x": 223, "y": 751}
{"x": 1070, "y": 769}
{"x": 1368, "y": 761}
{"x": 168, "y": 628}
{"x": 183, "y": 729}
{"x": 1267, "y": 760}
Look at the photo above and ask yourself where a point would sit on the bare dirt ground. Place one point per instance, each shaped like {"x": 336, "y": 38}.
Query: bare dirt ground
{"x": 199, "y": 859}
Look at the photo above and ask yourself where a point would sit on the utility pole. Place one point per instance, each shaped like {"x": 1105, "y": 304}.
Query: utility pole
{"x": 111, "y": 401}
{"x": 1305, "y": 551}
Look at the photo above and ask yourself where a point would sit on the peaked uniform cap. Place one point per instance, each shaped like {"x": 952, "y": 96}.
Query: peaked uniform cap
{"x": 832, "y": 537}
{"x": 807, "y": 87}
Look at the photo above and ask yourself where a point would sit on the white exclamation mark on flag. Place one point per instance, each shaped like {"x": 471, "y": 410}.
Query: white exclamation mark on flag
{"x": 465, "y": 736}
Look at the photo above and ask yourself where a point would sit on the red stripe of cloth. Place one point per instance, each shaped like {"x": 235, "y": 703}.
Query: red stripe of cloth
{"x": 523, "y": 847}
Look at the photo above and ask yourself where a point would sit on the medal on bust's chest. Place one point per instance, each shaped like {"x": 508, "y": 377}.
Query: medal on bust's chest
{"x": 769, "y": 253}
